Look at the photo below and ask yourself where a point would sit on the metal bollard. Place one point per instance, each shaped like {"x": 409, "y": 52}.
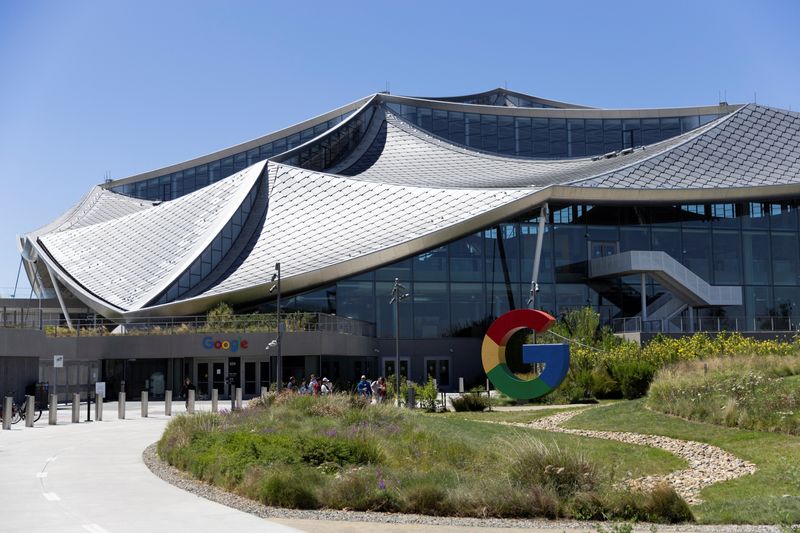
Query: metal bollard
{"x": 411, "y": 399}
{"x": 8, "y": 402}
{"x": 29, "y": 411}
{"x": 76, "y": 408}
{"x": 190, "y": 403}
{"x": 168, "y": 403}
{"x": 264, "y": 390}
{"x": 121, "y": 406}
{"x": 98, "y": 407}
{"x": 461, "y": 385}
{"x": 52, "y": 412}
{"x": 238, "y": 398}
{"x": 144, "y": 404}
{"x": 214, "y": 401}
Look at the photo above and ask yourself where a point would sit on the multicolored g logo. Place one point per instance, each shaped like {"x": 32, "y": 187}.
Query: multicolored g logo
{"x": 554, "y": 356}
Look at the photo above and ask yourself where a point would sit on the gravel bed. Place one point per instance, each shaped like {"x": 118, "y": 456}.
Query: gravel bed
{"x": 183, "y": 481}
{"x": 708, "y": 464}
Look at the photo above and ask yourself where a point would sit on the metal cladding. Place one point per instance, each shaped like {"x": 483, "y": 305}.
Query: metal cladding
{"x": 374, "y": 188}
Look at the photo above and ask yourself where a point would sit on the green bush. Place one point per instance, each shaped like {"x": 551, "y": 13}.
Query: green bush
{"x": 535, "y": 464}
{"x": 634, "y": 377}
{"x": 283, "y": 488}
{"x": 472, "y": 401}
{"x": 427, "y": 395}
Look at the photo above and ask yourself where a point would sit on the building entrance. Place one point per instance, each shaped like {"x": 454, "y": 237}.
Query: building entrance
{"x": 210, "y": 375}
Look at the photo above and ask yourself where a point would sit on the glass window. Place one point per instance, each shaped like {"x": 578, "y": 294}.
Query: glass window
{"x": 431, "y": 310}
{"x": 689, "y": 123}
{"x": 472, "y": 131}
{"x": 502, "y": 298}
{"x": 239, "y": 162}
{"x": 670, "y": 127}
{"x": 356, "y": 299}
{"x": 401, "y": 270}
{"x": 757, "y": 216}
{"x": 319, "y": 301}
{"x": 502, "y": 254}
{"x": 651, "y": 131}
{"x": 570, "y": 249}
{"x": 594, "y": 136}
{"x": 265, "y": 151}
{"x": 756, "y": 258}
{"x": 634, "y": 238}
{"x": 576, "y": 138}
{"x": 466, "y": 258}
{"x": 668, "y": 240}
{"x": 697, "y": 252}
{"x": 214, "y": 172}
{"x": 226, "y": 167}
{"x": 785, "y": 264}
{"x": 457, "y": 128}
{"x": 523, "y": 136}
{"x": 631, "y": 133}
{"x": 571, "y": 296}
{"x": 252, "y": 157}
{"x": 724, "y": 216}
{"x": 385, "y": 323}
{"x": 424, "y": 118}
{"x": 409, "y": 113}
{"x": 541, "y": 137}
{"x": 431, "y": 265}
{"x": 467, "y": 310}
{"x": 440, "y": 125}
{"x": 758, "y": 303}
{"x": 727, "y": 258}
{"x": 489, "y": 132}
{"x": 695, "y": 215}
{"x": 506, "y": 138}
{"x": 782, "y": 216}
{"x": 612, "y": 135}
{"x": 558, "y": 137}
{"x": 529, "y": 237}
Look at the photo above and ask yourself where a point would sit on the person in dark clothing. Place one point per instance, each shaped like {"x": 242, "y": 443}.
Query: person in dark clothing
{"x": 187, "y": 386}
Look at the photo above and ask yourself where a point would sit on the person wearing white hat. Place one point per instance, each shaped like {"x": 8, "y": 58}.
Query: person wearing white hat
{"x": 327, "y": 386}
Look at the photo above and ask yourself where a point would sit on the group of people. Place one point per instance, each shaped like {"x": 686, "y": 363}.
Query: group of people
{"x": 375, "y": 390}
{"x": 313, "y": 386}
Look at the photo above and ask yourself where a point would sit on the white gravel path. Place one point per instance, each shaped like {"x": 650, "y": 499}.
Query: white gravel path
{"x": 708, "y": 464}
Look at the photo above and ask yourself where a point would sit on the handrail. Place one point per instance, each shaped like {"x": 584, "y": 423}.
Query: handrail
{"x": 681, "y": 324}
{"x": 181, "y": 325}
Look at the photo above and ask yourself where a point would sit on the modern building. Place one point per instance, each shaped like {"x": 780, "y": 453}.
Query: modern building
{"x": 674, "y": 220}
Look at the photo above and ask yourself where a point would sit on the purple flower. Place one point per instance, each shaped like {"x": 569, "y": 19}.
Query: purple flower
{"x": 330, "y": 432}
{"x": 381, "y": 482}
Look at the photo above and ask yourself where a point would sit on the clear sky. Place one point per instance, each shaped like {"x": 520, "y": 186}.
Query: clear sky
{"x": 89, "y": 89}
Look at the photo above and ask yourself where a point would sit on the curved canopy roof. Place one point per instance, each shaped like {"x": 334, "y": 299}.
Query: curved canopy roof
{"x": 397, "y": 191}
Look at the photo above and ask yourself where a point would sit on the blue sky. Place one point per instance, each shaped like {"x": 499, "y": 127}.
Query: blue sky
{"x": 96, "y": 88}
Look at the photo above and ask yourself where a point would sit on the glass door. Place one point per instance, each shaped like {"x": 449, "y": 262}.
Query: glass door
{"x": 202, "y": 379}
{"x": 218, "y": 377}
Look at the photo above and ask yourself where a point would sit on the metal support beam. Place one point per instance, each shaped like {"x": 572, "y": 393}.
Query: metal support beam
{"x": 537, "y": 256}
{"x": 58, "y": 295}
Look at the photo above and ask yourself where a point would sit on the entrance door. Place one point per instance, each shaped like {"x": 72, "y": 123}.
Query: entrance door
{"x": 250, "y": 378}
{"x": 202, "y": 379}
{"x": 388, "y": 367}
{"x": 218, "y": 377}
{"x": 438, "y": 369}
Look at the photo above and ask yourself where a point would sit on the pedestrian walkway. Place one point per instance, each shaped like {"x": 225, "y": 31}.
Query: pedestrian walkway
{"x": 89, "y": 477}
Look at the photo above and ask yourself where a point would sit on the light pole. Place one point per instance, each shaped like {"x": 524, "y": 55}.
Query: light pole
{"x": 398, "y": 293}
{"x": 276, "y": 279}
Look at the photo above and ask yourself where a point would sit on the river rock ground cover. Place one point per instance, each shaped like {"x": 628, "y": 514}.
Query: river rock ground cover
{"x": 340, "y": 453}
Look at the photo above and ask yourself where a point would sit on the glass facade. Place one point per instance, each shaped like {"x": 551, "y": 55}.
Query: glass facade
{"x": 456, "y": 290}
{"x": 545, "y": 137}
{"x": 177, "y": 184}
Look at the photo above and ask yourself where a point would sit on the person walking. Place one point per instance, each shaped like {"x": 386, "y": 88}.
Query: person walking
{"x": 326, "y": 387}
{"x": 381, "y": 389}
{"x": 364, "y": 388}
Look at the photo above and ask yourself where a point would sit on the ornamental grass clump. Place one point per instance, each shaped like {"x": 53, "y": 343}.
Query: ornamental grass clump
{"x": 337, "y": 452}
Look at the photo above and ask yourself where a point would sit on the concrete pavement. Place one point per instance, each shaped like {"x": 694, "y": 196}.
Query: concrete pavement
{"x": 89, "y": 477}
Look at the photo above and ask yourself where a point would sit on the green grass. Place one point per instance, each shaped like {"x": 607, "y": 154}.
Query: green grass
{"x": 771, "y": 495}
{"x": 335, "y": 452}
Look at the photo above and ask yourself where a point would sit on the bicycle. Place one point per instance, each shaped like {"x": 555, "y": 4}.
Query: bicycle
{"x": 37, "y": 410}
{"x": 16, "y": 416}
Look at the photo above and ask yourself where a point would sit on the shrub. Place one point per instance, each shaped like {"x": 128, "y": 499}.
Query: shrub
{"x": 427, "y": 395}
{"x": 534, "y": 464}
{"x": 634, "y": 377}
{"x": 427, "y": 498}
{"x": 360, "y": 491}
{"x": 220, "y": 318}
{"x": 665, "y": 505}
{"x": 472, "y": 401}
{"x": 282, "y": 487}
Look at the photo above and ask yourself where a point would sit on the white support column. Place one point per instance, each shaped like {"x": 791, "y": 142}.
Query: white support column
{"x": 644, "y": 299}
{"x": 58, "y": 295}
{"x": 537, "y": 256}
